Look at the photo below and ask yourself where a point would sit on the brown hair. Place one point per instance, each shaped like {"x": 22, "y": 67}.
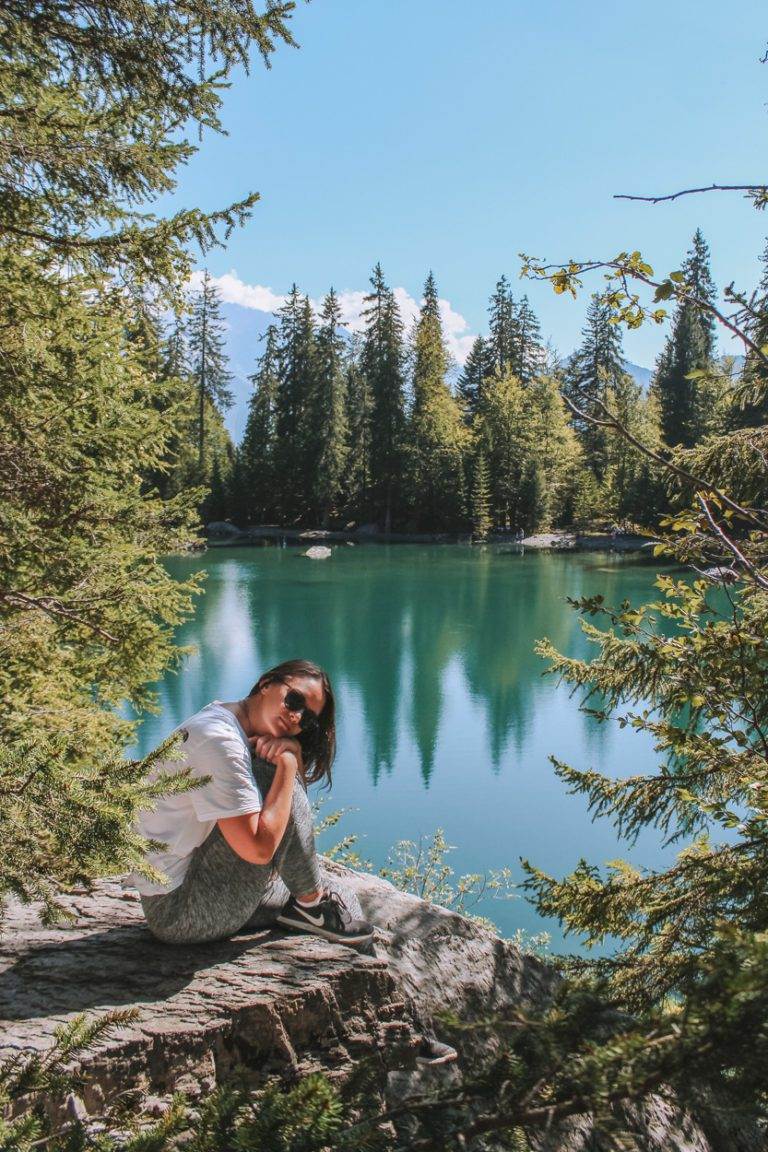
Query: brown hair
{"x": 318, "y": 748}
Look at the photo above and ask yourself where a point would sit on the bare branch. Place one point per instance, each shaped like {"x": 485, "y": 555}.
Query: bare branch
{"x": 692, "y": 191}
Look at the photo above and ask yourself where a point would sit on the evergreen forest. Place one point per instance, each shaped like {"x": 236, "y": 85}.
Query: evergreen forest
{"x": 382, "y": 428}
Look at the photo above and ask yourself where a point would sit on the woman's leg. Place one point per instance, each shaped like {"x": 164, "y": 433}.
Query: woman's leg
{"x": 221, "y": 892}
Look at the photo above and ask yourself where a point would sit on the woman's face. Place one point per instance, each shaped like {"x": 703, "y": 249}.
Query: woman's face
{"x": 277, "y": 720}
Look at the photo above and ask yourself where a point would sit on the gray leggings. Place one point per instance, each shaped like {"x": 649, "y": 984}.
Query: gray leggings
{"x": 221, "y": 893}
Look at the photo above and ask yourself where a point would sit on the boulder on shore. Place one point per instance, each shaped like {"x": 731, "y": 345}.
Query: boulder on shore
{"x": 222, "y": 530}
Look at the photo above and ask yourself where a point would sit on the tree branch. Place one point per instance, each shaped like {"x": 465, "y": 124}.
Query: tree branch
{"x": 612, "y": 421}
{"x": 692, "y": 191}
{"x": 52, "y": 607}
{"x": 624, "y": 269}
{"x": 758, "y": 578}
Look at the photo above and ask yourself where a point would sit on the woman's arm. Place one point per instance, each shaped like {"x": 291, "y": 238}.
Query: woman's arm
{"x": 256, "y": 835}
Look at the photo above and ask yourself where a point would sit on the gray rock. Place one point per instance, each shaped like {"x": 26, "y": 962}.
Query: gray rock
{"x": 555, "y": 541}
{"x": 75, "y": 1108}
{"x": 222, "y": 530}
{"x": 279, "y": 1004}
{"x": 722, "y": 574}
{"x": 318, "y": 552}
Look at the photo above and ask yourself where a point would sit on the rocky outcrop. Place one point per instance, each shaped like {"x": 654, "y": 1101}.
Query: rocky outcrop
{"x": 275, "y": 1003}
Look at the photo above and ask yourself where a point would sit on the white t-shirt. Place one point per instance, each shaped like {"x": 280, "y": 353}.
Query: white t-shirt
{"x": 213, "y": 745}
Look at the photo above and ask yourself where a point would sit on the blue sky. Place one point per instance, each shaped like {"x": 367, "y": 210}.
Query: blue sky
{"x": 437, "y": 134}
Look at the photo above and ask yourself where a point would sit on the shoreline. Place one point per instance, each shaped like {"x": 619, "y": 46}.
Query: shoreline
{"x": 225, "y": 535}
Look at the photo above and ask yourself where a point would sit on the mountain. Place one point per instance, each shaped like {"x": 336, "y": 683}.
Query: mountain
{"x": 643, "y": 375}
{"x": 638, "y": 373}
{"x": 245, "y": 331}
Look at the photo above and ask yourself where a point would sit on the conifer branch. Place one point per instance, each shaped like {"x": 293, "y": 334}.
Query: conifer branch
{"x": 545, "y": 1116}
{"x": 54, "y": 608}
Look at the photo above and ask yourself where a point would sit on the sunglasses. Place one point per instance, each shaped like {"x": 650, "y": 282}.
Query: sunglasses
{"x": 295, "y": 701}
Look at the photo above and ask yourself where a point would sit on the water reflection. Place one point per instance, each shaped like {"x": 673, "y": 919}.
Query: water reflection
{"x": 388, "y": 624}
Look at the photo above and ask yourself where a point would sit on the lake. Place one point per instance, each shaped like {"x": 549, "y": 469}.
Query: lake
{"x": 445, "y": 719}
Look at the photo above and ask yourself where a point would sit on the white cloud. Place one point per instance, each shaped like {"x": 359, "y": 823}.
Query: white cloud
{"x": 409, "y": 309}
{"x": 233, "y": 290}
{"x": 457, "y": 335}
{"x": 351, "y": 304}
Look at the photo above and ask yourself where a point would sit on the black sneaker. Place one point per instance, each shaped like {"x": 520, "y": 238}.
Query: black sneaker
{"x": 433, "y": 1052}
{"x": 329, "y": 918}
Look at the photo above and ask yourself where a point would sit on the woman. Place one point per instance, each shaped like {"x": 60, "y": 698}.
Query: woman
{"x": 227, "y": 841}
{"x": 241, "y": 846}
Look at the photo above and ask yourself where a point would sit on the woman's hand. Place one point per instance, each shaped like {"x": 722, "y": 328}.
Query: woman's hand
{"x": 271, "y": 748}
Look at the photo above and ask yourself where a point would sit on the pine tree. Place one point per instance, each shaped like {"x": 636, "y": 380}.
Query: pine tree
{"x": 504, "y": 438}
{"x": 100, "y": 96}
{"x": 437, "y": 438}
{"x": 87, "y": 612}
{"x": 593, "y": 370}
{"x": 689, "y": 935}
{"x": 296, "y": 360}
{"x": 533, "y": 457}
{"x": 502, "y": 323}
{"x": 216, "y": 505}
{"x": 208, "y": 360}
{"x": 477, "y": 368}
{"x": 632, "y": 487}
{"x": 382, "y": 364}
{"x": 144, "y": 331}
{"x": 481, "y": 499}
{"x": 359, "y": 417}
{"x": 551, "y": 480}
{"x": 645, "y": 496}
{"x": 750, "y": 406}
{"x": 147, "y": 342}
{"x": 684, "y": 402}
{"x": 329, "y": 417}
{"x": 178, "y": 401}
{"x": 178, "y": 406}
{"x": 528, "y": 353}
{"x": 255, "y": 498}
{"x": 175, "y": 353}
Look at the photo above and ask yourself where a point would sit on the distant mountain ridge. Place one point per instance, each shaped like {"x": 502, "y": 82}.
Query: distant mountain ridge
{"x": 245, "y": 333}
{"x": 640, "y": 374}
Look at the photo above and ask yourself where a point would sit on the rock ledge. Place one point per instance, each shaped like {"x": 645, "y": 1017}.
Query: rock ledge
{"x": 274, "y": 1003}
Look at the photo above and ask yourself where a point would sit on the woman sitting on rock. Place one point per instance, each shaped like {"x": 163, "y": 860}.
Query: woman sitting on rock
{"x": 241, "y": 847}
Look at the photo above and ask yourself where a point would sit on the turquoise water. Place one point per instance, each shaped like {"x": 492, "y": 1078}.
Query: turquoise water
{"x": 445, "y": 717}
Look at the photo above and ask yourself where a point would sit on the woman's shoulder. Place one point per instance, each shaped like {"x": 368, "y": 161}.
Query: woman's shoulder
{"x": 212, "y": 721}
